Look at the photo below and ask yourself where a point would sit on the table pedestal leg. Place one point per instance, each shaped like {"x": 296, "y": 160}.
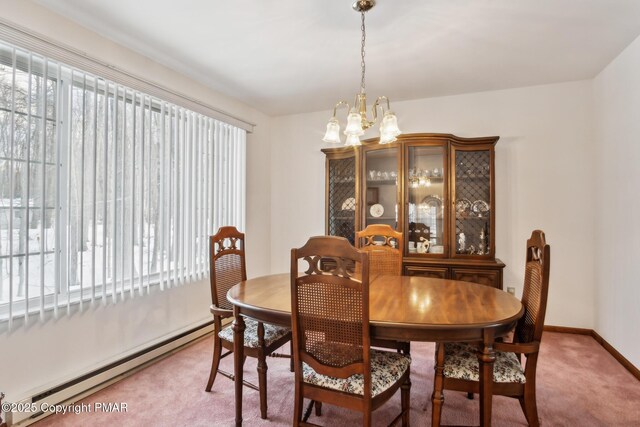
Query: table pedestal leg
{"x": 485, "y": 359}
{"x": 238, "y": 361}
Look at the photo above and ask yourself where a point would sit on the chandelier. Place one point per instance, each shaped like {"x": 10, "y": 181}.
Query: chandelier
{"x": 357, "y": 120}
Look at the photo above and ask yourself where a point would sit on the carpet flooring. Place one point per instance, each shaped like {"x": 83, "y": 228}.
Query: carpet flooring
{"x": 578, "y": 384}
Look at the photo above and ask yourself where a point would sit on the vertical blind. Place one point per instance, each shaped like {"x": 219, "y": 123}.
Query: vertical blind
{"x": 105, "y": 192}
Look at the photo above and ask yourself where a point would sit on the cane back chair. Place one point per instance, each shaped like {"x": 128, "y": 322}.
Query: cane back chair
{"x": 457, "y": 363}
{"x": 2, "y": 423}
{"x": 228, "y": 268}
{"x": 331, "y": 344}
{"x": 384, "y": 258}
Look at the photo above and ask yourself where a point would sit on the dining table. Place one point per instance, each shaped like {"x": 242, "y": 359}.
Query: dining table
{"x": 401, "y": 308}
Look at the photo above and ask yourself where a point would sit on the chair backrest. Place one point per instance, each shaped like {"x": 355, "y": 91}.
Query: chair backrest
{"x": 227, "y": 264}
{"x": 536, "y": 289}
{"x": 377, "y": 240}
{"x": 331, "y": 309}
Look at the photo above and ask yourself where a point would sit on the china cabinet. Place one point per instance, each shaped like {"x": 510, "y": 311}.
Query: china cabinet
{"x": 438, "y": 189}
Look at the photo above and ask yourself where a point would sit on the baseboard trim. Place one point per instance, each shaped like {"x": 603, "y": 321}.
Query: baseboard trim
{"x": 615, "y": 353}
{"x": 567, "y": 330}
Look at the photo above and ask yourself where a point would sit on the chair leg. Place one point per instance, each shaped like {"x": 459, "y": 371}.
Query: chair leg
{"x": 529, "y": 405}
{"x": 405, "y": 399}
{"x": 217, "y": 351}
{"x": 262, "y": 384}
{"x": 406, "y": 348}
{"x": 291, "y": 367}
{"x": 437, "y": 398}
{"x": 470, "y": 396}
{"x": 318, "y": 406}
{"x": 307, "y": 411}
{"x": 366, "y": 418}
{"x": 298, "y": 405}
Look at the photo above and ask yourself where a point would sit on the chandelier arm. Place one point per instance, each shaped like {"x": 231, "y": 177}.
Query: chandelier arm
{"x": 338, "y": 104}
{"x": 374, "y": 110}
{"x": 356, "y": 101}
{"x": 384, "y": 98}
{"x": 374, "y": 107}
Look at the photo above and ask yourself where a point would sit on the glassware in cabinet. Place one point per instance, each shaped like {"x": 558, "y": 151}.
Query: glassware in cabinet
{"x": 426, "y": 189}
{"x": 380, "y": 190}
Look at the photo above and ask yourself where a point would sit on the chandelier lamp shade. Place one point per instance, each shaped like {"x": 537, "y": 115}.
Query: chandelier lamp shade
{"x": 357, "y": 119}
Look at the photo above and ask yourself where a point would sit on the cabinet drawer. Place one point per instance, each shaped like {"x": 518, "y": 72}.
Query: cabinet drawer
{"x": 491, "y": 278}
{"x": 419, "y": 270}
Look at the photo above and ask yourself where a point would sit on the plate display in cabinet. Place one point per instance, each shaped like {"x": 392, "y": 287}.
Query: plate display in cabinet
{"x": 480, "y": 208}
{"x": 431, "y": 203}
{"x": 349, "y": 204}
{"x": 377, "y": 210}
{"x": 463, "y": 207}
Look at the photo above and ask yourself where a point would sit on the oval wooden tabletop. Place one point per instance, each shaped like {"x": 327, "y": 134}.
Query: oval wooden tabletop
{"x": 409, "y": 301}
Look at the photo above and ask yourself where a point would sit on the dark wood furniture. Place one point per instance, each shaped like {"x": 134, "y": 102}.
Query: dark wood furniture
{"x": 228, "y": 268}
{"x": 383, "y": 244}
{"x": 432, "y": 187}
{"x": 456, "y": 362}
{"x": 2, "y": 423}
{"x": 330, "y": 314}
{"x": 405, "y": 308}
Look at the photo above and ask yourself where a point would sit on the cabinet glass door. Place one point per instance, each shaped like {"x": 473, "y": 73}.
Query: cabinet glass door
{"x": 426, "y": 188}
{"x": 341, "y": 198}
{"x": 472, "y": 192}
{"x": 381, "y": 187}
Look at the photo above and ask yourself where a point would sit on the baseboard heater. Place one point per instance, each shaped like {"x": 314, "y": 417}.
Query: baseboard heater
{"x": 81, "y": 387}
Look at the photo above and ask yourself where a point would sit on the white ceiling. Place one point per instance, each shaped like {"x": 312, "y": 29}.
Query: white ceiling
{"x": 293, "y": 56}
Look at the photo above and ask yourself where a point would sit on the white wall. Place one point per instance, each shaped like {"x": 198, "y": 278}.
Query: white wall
{"x": 544, "y": 174}
{"x": 45, "y": 354}
{"x": 617, "y": 202}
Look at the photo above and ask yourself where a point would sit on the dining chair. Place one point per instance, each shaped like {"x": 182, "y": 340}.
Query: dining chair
{"x": 384, "y": 246}
{"x": 2, "y": 423}
{"x": 331, "y": 343}
{"x": 457, "y": 363}
{"x": 228, "y": 268}
{"x": 384, "y": 257}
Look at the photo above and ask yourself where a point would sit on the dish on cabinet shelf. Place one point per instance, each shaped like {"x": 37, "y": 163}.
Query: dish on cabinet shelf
{"x": 431, "y": 201}
{"x": 349, "y": 204}
{"x": 377, "y": 210}
{"x": 480, "y": 208}
{"x": 463, "y": 207}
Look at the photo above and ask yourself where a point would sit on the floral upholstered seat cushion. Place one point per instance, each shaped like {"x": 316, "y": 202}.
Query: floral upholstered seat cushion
{"x": 271, "y": 333}
{"x": 461, "y": 361}
{"x": 386, "y": 369}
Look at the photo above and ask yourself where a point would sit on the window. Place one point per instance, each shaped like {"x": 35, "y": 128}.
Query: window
{"x": 105, "y": 191}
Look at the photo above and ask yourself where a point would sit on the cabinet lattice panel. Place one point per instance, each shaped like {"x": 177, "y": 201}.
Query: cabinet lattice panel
{"x": 342, "y": 193}
{"x": 473, "y": 192}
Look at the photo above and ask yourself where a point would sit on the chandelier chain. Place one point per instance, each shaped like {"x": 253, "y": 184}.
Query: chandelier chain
{"x": 362, "y": 65}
